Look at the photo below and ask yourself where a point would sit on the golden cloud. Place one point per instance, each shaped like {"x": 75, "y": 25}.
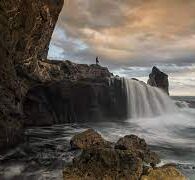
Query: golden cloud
{"x": 129, "y": 30}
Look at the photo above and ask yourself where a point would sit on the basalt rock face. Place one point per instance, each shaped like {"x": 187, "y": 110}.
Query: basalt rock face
{"x": 88, "y": 99}
{"x": 25, "y": 32}
{"x": 159, "y": 79}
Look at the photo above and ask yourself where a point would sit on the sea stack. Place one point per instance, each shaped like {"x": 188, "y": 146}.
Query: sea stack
{"x": 159, "y": 79}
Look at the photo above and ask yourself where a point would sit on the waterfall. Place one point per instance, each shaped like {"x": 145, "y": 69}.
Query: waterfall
{"x": 146, "y": 101}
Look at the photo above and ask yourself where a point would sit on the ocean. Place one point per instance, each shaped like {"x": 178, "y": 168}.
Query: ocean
{"x": 46, "y": 150}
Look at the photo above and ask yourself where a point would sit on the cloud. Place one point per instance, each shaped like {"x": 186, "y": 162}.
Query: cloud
{"x": 126, "y": 33}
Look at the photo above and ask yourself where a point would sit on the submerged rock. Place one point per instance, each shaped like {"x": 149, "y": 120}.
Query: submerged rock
{"x": 159, "y": 79}
{"x": 125, "y": 161}
{"x": 164, "y": 173}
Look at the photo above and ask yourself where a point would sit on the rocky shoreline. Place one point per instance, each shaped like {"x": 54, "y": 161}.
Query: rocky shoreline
{"x": 129, "y": 158}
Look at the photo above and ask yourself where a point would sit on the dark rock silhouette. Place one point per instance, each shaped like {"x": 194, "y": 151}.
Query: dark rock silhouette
{"x": 159, "y": 79}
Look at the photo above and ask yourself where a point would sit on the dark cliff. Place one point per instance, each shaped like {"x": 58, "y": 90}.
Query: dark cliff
{"x": 91, "y": 99}
{"x": 25, "y": 32}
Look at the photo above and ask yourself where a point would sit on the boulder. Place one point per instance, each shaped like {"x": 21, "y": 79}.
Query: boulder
{"x": 159, "y": 79}
{"x": 138, "y": 147}
{"x": 100, "y": 160}
{"x": 106, "y": 163}
{"x": 88, "y": 139}
{"x": 164, "y": 173}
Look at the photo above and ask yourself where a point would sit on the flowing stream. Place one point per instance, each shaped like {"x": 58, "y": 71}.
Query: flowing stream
{"x": 170, "y": 131}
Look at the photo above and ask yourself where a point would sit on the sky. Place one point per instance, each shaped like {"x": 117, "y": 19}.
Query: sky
{"x": 130, "y": 36}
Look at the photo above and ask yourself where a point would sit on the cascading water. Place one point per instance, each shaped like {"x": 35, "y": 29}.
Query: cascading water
{"x": 146, "y": 101}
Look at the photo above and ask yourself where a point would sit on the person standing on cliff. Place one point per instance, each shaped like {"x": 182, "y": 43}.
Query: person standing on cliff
{"x": 97, "y": 60}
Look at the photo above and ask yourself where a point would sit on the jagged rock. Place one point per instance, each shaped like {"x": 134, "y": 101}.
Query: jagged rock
{"x": 98, "y": 161}
{"x": 138, "y": 147}
{"x": 122, "y": 162}
{"x": 106, "y": 163}
{"x": 164, "y": 173}
{"x": 88, "y": 139}
{"x": 26, "y": 28}
{"x": 91, "y": 99}
{"x": 159, "y": 79}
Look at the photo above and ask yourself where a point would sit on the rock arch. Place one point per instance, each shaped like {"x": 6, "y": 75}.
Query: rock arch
{"x": 26, "y": 28}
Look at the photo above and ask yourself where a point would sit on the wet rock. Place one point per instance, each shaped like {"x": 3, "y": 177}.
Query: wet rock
{"x": 88, "y": 139}
{"x": 159, "y": 79}
{"x": 105, "y": 164}
{"x": 138, "y": 147}
{"x": 97, "y": 161}
{"x": 125, "y": 161}
{"x": 90, "y": 99}
{"x": 164, "y": 173}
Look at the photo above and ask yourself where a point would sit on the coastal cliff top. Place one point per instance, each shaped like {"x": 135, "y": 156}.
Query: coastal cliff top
{"x": 55, "y": 70}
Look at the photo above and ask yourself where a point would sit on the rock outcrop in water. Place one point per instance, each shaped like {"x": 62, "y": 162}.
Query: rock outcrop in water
{"x": 159, "y": 79}
{"x": 26, "y": 27}
{"x": 125, "y": 160}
